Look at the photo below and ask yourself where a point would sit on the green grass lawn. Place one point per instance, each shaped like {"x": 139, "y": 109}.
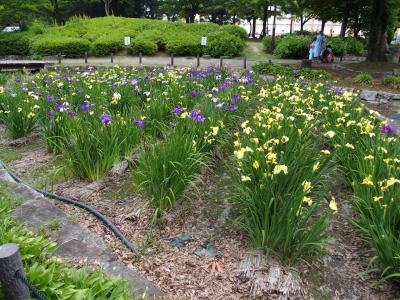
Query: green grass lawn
{"x": 254, "y": 51}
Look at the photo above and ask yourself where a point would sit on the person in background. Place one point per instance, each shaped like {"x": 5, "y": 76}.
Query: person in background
{"x": 311, "y": 51}
{"x": 327, "y": 55}
{"x": 319, "y": 45}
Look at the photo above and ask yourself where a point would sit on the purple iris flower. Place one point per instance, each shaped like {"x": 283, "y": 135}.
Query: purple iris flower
{"x": 50, "y": 114}
{"x": 138, "y": 89}
{"x": 236, "y": 97}
{"x": 296, "y": 72}
{"x": 86, "y": 106}
{"x": 139, "y": 123}
{"x": 25, "y": 89}
{"x": 197, "y": 116}
{"x": 338, "y": 91}
{"x": 327, "y": 91}
{"x": 135, "y": 81}
{"x": 50, "y": 98}
{"x": 71, "y": 113}
{"x": 194, "y": 93}
{"x": 327, "y": 84}
{"x": 106, "y": 119}
{"x": 177, "y": 110}
{"x": 248, "y": 79}
{"x": 59, "y": 107}
{"x": 227, "y": 84}
{"x": 232, "y": 107}
{"x": 388, "y": 129}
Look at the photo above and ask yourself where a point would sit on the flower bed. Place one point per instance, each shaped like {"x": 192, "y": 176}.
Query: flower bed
{"x": 285, "y": 155}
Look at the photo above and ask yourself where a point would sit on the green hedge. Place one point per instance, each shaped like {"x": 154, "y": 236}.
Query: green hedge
{"x": 267, "y": 43}
{"x": 184, "y": 45}
{"x": 105, "y": 35}
{"x": 14, "y": 43}
{"x": 223, "y": 44}
{"x": 293, "y": 47}
{"x": 105, "y": 45}
{"x": 141, "y": 45}
{"x": 70, "y": 47}
{"x": 155, "y": 36}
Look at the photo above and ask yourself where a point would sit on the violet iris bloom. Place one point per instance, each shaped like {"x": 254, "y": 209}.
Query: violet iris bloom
{"x": 177, "y": 110}
{"x": 197, "y": 116}
{"x": 106, "y": 119}
{"x": 194, "y": 93}
{"x": 139, "y": 123}
{"x": 388, "y": 129}
{"x": 86, "y": 106}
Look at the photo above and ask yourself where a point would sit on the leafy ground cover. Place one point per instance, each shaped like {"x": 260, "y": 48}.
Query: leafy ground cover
{"x": 53, "y": 278}
{"x": 197, "y": 140}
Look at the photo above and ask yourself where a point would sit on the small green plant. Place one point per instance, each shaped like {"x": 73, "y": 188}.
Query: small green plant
{"x": 392, "y": 80}
{"x": 363, "y": 78}
{"x": 19, "y": 117}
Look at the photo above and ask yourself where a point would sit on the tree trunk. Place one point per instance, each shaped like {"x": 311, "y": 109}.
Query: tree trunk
{"x": 377, "y": 36}
{"x": 107, "y": 6}
{"x": 301, "y": 23}
{"x": 234, "y": 19}
{"x": 250, "y": 30}
{"x": 265, "y": 18}
{"x": 274, "y": 28}
{"x": 323, "y": 23}
{"x": 254, "y": 27}
{"x": 345, "y": 21}
{"x": 291, "y": 24}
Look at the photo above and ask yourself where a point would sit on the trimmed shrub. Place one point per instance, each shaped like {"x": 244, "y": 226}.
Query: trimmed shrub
{"x": 267, "y": 43}
{"x": 293, "y": 47}
{"x": 222, "y": 44}
{"x": 354, "y": 46}
{"x": 235, "y": 30}
{"x": 105, "y": 45}
{"x": 70, "y": 47}
{"x": 14, "y": 43}
{"x": 141, "y": 45}
{"x": 184, "y": 45}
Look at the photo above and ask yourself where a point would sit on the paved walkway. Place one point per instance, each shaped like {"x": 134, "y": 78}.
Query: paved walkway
{"x": 74, "y": 240}
{"x": 165, "y": 60}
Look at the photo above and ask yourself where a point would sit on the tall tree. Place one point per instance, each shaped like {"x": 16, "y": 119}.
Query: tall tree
{"x": 302, "y": 9}
{"x": 23, "y": 12}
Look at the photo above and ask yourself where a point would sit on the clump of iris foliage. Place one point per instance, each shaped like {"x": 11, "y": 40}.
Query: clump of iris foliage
{"x": 279, "y": 181}
{"x": 49, "y": 275}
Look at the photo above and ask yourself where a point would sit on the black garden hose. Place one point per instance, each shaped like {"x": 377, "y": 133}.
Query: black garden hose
{"x": 91, "y": 210}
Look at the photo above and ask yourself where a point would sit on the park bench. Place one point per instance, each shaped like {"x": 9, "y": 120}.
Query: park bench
{"x": 32, "y": 66}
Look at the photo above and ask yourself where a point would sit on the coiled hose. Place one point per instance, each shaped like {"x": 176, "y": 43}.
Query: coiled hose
{"x": 91, "y": 210}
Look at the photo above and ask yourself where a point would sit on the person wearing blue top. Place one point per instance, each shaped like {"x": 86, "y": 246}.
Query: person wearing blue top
{"x": 319, "y": 45}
